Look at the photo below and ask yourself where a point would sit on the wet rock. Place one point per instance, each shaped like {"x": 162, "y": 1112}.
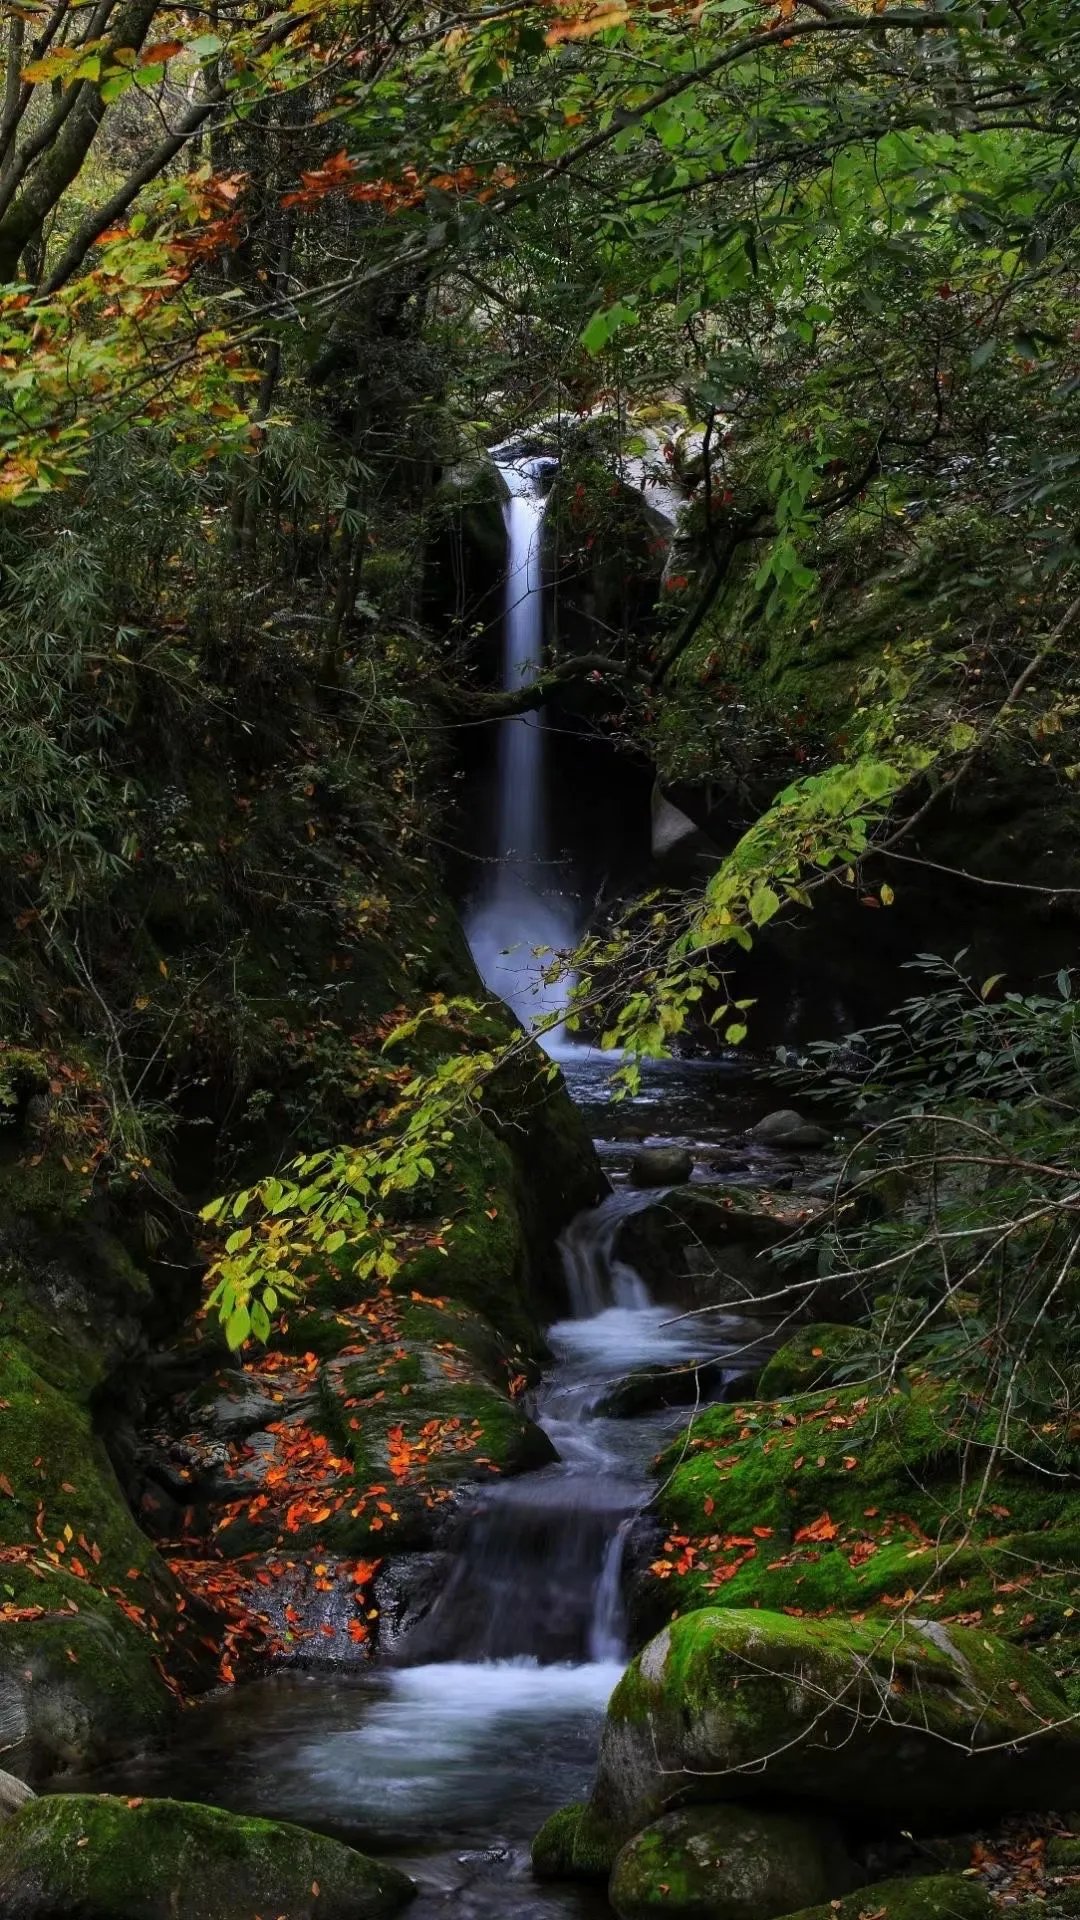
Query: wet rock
{"x": 405, "y": 1592}
{"x": 13, "y": 1794}
{"x": 729, "y": 1863}
{"x": 661, "y": 1167}
{"x": 235, "y": 1403}
{"x": 704, "y": 1245}
{"x": 113, "y": 1859}
{"x": 861, "y": 1716}
{"x": 786, "y": 1128}
{"x": 648, "y": 1389}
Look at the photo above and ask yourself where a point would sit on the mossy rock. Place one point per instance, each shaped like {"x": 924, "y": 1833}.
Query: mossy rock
{"x": 864, "y": 1716}
{"x": 937, "y": 1896}
{"x": 729, "y": 1863}
{"x": 86, "y": 1606}
{"x": 809, "y": 1359}
{"x": 573, "y": 1845}
{"x": 76, "y": 1688}
{"x": 852, "y": 1498}
{"x": 110, "y": 1859}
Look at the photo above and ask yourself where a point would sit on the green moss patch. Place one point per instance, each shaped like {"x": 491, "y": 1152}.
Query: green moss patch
{"x": 111, "y": 1859}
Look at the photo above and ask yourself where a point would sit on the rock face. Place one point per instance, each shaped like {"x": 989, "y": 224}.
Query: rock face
{"x": 729, "y": 1863}
{"x": 110, "y": 1859}
{"x": 924, "y": 1721}
{"x": 787, "y": 1128}
{"x": 661, "y": 1167}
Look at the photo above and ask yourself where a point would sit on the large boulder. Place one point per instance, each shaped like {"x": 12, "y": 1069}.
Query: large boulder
{"x": 915, "y": 1719}
{"x": 856, "y": 1497}
{"x": 110, "y": 1859}
{"x": 729, "y": 1863}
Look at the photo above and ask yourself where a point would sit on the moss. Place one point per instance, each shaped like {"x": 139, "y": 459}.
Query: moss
{"x": 939, "y": 1896}
{"x": 729, "y": 1863}
{"x": 852, "y": 1499}
{"x": 809, "y": 1359}
{"x": 112, "y": 1859}
{"x": 59, "y": 1475}
{"x": 574, "y": 1845}
{"x": 797, "y": 1704}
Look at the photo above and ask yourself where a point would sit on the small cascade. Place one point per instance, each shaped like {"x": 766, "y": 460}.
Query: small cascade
{"x": 520, "y": 913}
{"x": 607, "y": 1629}
{"x": 538, "y": 1574}
{"x": 595, "y": 1277}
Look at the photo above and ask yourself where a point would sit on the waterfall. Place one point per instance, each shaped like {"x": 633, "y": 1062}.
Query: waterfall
{"x": 517, "y": 913}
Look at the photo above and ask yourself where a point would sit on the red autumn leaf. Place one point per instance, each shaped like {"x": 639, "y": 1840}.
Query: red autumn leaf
{"x": 820, "y": 1529}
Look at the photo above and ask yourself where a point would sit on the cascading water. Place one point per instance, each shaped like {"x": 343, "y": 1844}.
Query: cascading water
{"x": 520, "y": 919}
{"x": 488, "y": 1718}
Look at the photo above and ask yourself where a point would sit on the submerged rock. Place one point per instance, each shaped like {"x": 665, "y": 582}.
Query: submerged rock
{"x": 110, "y": 1859}
{"x": 916, "y": 1719}
{"x": 786, "y": 1128}
{"x": 661, "y": 1167}
{"x": 729, "y": 1863}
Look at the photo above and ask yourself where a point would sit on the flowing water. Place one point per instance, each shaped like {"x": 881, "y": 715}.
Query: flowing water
{"x": 449, "y": 1755}
{"x": 451, "y": 1752}
{"x": 521, "y": 912}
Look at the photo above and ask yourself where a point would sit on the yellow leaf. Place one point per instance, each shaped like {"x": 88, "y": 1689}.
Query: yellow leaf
{"x": 887, "y": 895}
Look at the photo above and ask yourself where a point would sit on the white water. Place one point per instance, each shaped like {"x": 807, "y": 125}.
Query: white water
{"x": 521, "y": 921}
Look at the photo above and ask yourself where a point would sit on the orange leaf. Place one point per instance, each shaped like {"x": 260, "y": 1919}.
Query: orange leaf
{"x": 161, "y": 50}
{"x": 820, "y": 1529}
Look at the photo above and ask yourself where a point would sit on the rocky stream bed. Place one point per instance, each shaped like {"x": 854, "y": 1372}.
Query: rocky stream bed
{"x": 405, "y": 1556}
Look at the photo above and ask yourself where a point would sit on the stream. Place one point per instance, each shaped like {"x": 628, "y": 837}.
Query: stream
{"x": 450, "y": 1753}
{"x": 452, "y": 1747}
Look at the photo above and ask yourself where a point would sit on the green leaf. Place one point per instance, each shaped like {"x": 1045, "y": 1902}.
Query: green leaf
{"x": 237, "y": 1327}
{"x": 604, "y": 325}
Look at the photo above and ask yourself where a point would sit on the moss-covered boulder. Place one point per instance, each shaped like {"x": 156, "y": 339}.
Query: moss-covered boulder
{"x": 110, "y": 1859}
{"x": 811, "y": 1358}
{"x": 87, "y": 1608}
{"x": 916, "y": 1719}
{"x": 854, "y": 1497}
{"x": 937, "y": 1896}
{"x": 729, "y": 1863}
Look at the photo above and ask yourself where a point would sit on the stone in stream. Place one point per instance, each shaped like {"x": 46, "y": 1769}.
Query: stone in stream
{"x": 730, "y": 1863}
{"x": 786, "y": 1128}
{"x": 104, "y": 1858}
{"x": 661, "y": 1167}
{"x": 914, "y": 1719}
